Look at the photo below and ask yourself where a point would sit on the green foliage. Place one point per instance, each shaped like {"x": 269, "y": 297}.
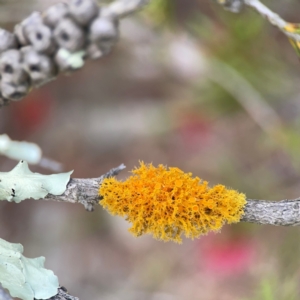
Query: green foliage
{"x": 274, "y": 288}
{"x": 25, "y": 278}
{"x": 266, "y": 291}
{"x": 162, "y": 12}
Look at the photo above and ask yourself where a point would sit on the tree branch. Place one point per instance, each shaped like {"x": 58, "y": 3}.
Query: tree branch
{"x": 264, "y": 11}
{"x": 123, "y": 8}
{"x": 281, "y": 213}
{"x": 63, "y": 295}
{"x": 84, "y": 190}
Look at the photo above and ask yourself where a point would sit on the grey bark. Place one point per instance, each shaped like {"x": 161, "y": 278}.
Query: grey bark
{"x": 84, "y": 191}
{"x": 62, "y": 294}
{"x": 282, "y": 213}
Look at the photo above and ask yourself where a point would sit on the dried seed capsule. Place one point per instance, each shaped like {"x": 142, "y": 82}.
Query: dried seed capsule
{"x": 11, "y": 67}
{"x": 14, "y": 92}
{"x": 18, "y": 31}
{"x": 40, "y": 67}
{"x": 40, "y": 37}
{"x": 34, "y": 19}
{"x": 84, "y": 11}
{"x": 104, "y": 33}
{"x": 67, "y": 61}
{"x": 69, "y": 35}
{"x": 53, "y": 15}
{"x": 7, "y": 40}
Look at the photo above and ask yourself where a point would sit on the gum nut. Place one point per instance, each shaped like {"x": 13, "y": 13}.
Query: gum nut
{"x": 40, "y": 37}
{"x": 24, "y": 49}
{"x": 20, "y": 29}
{"x": 40, "y": 67}
{"x": 69, "y": 35}
{"x": 53, "y": 15}
{"x": 62, "y": 62}
{"x": 11, "y": 66}
{"x": 35, "y": 19}
{"x": 7, "y": 40}
{"x": 84, "y": 11}
{"x": 104, "y": 30}
{"x": 19, "y": 33}
{"x": 14, "y": 92}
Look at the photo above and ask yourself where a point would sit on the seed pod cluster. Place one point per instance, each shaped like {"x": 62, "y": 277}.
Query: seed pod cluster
{"x": 58, "y": 40}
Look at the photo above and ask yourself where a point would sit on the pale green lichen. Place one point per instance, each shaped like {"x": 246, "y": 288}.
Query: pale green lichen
{"x": 20, "y": 184}
{"x": 23, "y": 277}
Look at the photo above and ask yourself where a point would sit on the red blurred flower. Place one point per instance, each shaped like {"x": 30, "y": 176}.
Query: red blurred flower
{"x": 227, "y": 258}
{"x": 194, "y": 130}
{"x": 31, "y": 113}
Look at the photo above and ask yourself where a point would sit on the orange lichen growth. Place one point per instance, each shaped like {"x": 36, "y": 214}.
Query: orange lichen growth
{"x": 168, "y": 203}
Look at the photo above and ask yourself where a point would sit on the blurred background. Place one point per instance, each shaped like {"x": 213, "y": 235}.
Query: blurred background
{"x": 188, "y": 85}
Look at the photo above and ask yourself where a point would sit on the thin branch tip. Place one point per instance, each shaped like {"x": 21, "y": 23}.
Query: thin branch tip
{"x": 264, "y": 11}
{"x": 114, "y": 171}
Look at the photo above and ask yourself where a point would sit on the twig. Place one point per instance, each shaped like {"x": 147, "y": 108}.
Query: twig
{"x": 282, "y": 213}
{"x": 84, "y": 191}
{"x": 123, "y": 8}
{"x": 264, "y": 11}
{"x": 63, "y": 295}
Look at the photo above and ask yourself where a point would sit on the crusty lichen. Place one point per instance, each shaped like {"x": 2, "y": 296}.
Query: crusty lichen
{"x": 166, "y": 202}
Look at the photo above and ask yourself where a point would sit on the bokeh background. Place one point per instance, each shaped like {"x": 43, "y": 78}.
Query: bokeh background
{"x": 188, "y": 85}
